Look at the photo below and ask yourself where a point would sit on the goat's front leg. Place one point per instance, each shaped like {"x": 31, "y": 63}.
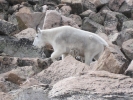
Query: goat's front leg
{"x": 56, "y": 54}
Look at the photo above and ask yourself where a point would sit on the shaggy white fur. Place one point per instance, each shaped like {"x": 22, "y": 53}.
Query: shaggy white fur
{"x": 65, "y": 38}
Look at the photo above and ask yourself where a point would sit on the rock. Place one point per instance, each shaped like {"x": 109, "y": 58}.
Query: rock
{"x": 115, "y": 4}
{"x": 89, "y": 25}
{"x": 89, "y": 5}
{"x": 124, "y": 36}
{"x": 127, "y": 48}
{"x": 76, "y": 5}
{"x": 113, "y": 36}
{"x": 7, "y": 63}
{"x": 61, "y": 69}
{"x": 121, "y": 18}
{"x": 87, "y": 13}
{"x": 98, "y": 18}
{"x": 68, "y": 21}
{"x": 24, "y": 9}
{"x": 104, "y": 8}
{"x": 7, "y": 27}
{"x": 112, "y": 60}
{"x": 129, "y": 70}
{"x": 77, "y": 19}
{"x": 38, "y": 92}
{"x": 29, "y": 20}
{"x": 5, "y": 96}
{"x": 65, "y": 10}
{"x": 54, "y": 19}
{"x": 19, "y": 48}
{"x": 12, "y": 19}
{"x": 13, "y": 2}
{"x": 127, "y": 24}
{"x": 110, "y": 23}
{"x": 30, "y": 82}
{"x": 4, "y": 5}
{"x": 126, "y": 8}
{"x": 99, "y": 3}
{"x": 28, "y": 33}
{"x": 95, "y": 85}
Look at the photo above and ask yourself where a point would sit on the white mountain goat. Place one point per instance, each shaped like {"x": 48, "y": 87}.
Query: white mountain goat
{"x": 65, "y": 38}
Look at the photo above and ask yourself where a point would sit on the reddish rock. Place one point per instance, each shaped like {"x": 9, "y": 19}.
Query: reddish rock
{"x": 62, "y": 69}
{"x": 55, "y": 19}
{"x": 100, "y": 84}
{"x": 52, "y": 19}
{"x": 28, "y": 33}
{"x": 25, "y": 10}
{"x": 127, "y": 48}
{"x": 112, "y": 60}
{"x": 5, "y": 96}
{"x": 30, "y": 20}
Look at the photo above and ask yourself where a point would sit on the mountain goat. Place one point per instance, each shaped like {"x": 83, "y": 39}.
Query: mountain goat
{"x": 65, "y": 38}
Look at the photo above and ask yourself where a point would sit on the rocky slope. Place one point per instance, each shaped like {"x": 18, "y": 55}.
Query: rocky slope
{"x": 27, "y": 73}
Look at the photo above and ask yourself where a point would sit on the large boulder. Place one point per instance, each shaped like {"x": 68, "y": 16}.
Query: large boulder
{"x": 95, "y": 85}
{"x": 127, "y": 48}
{"x": 30, "y": 20}
{"x": 7, "y": 27}
{"x": 55, "y": 19}
{"x": 112, "y": 60}
{"x": 61, "y": 69}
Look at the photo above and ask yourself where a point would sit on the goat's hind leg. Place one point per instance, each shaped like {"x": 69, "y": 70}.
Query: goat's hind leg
{"x": 88, "y": 57}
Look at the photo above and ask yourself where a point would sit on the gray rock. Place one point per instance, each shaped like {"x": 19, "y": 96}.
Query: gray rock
{"x": 129, "y": 70}
{"x": 124, "y": 36}
{"x": 38, "y": 92}
{"x": 7, "y": 27}
{"x": 90, "y": 25}
{"x": 126, "y": 8}
{"x": 127, "y": 24}
{"x": 89, "y": 5}
{"x": 127, "y": 48}
{"x": 19, "y": 48}
{"x": 115, "y": 4}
